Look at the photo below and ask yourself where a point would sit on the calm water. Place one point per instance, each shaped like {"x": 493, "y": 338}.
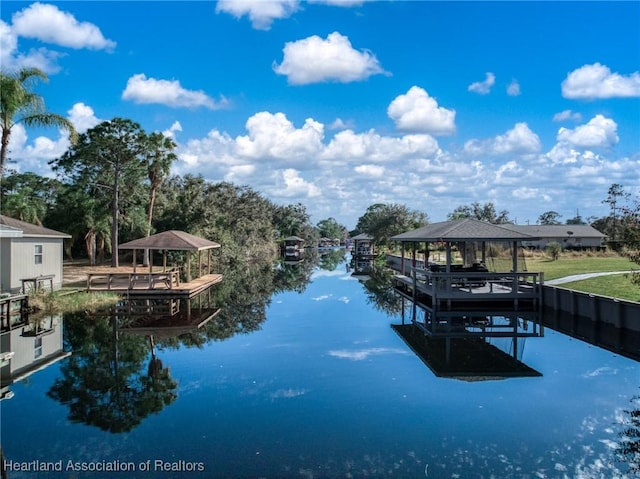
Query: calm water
{"x": 301, "y": 375}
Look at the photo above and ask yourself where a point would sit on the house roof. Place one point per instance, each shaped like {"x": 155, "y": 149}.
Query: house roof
{"x": 362, "y": 236}
{"x": 561, "y": 231}
{"x": 11, "y": 227}
{"x": 467, "y": 229}
{"x": 171, "y": 240}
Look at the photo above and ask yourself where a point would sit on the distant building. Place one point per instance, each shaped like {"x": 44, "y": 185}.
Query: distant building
{"x": 28, "y": 251}
{"x": 568, "y": 236}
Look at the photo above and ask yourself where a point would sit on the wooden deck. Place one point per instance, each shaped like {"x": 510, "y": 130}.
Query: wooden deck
{"x": 448, "y": 291}
{"x": 124, "y": 280}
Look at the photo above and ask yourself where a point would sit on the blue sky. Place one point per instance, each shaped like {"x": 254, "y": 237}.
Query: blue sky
{"x": 339, "y": 104}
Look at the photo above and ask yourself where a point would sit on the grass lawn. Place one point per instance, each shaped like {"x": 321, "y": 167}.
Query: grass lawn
{"x": 616, "y": 286}
{"x": 568, "y": 265}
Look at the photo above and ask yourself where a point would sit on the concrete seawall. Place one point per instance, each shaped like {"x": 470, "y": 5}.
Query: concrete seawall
{"x": 616, "y": 312}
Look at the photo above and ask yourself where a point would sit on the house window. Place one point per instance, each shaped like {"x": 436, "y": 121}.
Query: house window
{"x": 38, "y": 254}
{"x": 37, "y": 348}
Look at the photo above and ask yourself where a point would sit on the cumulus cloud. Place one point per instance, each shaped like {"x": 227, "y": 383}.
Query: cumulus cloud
{"x": 82, "y": 117}
{"x": 483, "y": 87}
{"x": 417, "y": 111}
{"x": 316, "y": 60}
{"x": 25, "y": 156}
{"x": 567, "y": 115}
{"x": 597, "y": 81}
{"x": 261, "y": 13}
{"x": 274, "y": 136}
{"x": 171, "y": 131}
{"x": 373, "y": 171}
{"x": 599, "y": 132}
{"x": 11, "y": 59}
{"x": 520, "y": 139}
{"x": 141, "y": 89}
{"x": 47, "y": 23}
{"x": 370, "y": 146}
{"x": 289, "y": 184}
{"x": 513, "y": 89}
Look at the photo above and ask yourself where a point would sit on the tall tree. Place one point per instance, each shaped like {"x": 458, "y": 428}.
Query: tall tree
{"x": 382, "y": 221}
{"x": 485, "y": 212}
{"x": 20, "y": 104}
{"x": 108, "y": 159}
{"x": 615, "y": 195}
{"x": 330, "y": 228}
{"x": 549, "y": 218}
{"x": 27, "y": 196}
{"x": 159, "y": 155}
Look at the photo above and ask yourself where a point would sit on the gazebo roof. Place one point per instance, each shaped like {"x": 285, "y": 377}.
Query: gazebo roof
{"x": 171, "y": 240}
{"x": 467, "y": 229}
{"x": 362, "y": 236}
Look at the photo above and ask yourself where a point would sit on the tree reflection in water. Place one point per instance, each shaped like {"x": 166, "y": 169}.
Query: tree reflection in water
{"x": 378, "y": 287}
{"x": 107, "y": 381}
{"x": 628, "y": 450}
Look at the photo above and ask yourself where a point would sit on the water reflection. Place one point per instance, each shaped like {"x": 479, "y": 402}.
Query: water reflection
{"x": 29, "y": 343}
{"x": 116, "y": 376}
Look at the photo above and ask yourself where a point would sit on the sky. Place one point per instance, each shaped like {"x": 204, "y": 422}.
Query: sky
{"x": 340, "y": 104}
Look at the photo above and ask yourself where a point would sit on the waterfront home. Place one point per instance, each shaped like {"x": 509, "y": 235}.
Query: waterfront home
{"x": 30, "y": 256}
{"x": 578, "y": 237}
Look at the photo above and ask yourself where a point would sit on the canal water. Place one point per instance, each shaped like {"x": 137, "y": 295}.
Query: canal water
{"x": 295, "y": 371}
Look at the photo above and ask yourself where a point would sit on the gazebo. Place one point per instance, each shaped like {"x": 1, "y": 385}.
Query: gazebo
{"x": 173, "y": 240}
{"x": 167, "y": 281}
{"x": 488, "y": 273}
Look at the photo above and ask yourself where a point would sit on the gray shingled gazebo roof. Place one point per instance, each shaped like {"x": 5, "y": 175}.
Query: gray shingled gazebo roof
{"x": 362, "y": 236}
{"x": 171, "y": 240}
{"x": 467, "y": 229}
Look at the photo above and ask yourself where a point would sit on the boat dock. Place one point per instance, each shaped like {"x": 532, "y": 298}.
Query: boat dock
{"x": 156, "y": 283}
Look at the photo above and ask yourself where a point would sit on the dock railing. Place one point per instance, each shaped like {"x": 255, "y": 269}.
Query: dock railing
{"x": 146, "y": 280}
{"x": 476, "y": 286}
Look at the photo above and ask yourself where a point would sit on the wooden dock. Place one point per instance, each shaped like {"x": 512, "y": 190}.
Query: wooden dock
{"x": 144, "y": 283}
{"x": 444, "y": 291}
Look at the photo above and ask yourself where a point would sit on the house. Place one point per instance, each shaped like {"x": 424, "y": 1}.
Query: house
{"x": 568, "y": 236}
{"x": 29, "y": 254}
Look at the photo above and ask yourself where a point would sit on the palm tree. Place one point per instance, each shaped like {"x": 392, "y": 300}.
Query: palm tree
{"x": 19, "y": 104}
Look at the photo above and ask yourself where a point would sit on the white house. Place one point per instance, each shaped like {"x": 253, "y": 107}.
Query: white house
{"x": 29, "y": 252}
{"x": 568, "y": 236}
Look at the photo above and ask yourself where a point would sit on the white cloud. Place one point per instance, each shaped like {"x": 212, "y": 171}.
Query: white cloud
{"x": 11, "y": 59}
{"x": 483, "y": 87}
{"x": 314, "y": 60}
{"x": 520, "y": 139}
{"x": 417, "y": 111}
{"x": 47, "y": 23}
{"x": 289, "y": 184}
{"x": 567, "y": 115}
{"x": 171, "y": 131}
{"x": 362, "y": 354}
{"x": 274, "y": 136}
{"x": 597, "y": 81}
{"x": 513, "y": 89}
{"x": 34, "y": 157}
{"x": 599, "y": 132}
{"x": 141, "y": 89}
{"x": 82, "y": 117}
{"x": 262, "y": 13}
{"x": 373, "y": 171}
{"x": 370, "y": 146}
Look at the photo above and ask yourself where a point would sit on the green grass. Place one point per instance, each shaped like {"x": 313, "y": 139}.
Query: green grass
{"x": 569, "y": 265}
{"x": 70, "y": 301}
{"x": 616, "y": 286}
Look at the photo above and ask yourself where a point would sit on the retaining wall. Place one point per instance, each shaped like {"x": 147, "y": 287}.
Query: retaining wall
{"x": 617, "y": 312}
